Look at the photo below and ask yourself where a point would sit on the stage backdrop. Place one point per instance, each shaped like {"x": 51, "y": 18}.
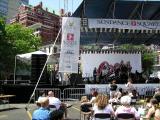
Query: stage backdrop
{"x": 91, "y": 60}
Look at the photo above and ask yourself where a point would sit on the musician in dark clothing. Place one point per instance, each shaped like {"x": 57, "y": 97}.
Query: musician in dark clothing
{"x": 123, "y": 72}
{"x": 95, "y": 75}
{"x": 113, "y": 88}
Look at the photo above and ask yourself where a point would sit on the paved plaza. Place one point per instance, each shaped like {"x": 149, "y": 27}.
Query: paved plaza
{"x": 18, "y": 111}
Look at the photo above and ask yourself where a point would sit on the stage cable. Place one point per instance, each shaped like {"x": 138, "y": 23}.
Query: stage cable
{"x": 42, "y": 70}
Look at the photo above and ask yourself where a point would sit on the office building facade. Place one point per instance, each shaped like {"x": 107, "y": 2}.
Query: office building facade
{"x": 3, "y": 7}
{"x": 44, "y": 23}
{"x": 9, "y": 8}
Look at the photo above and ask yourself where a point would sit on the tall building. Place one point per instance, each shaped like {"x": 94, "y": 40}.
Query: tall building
{"x": 26, "y": 2}
{"x": 9, "y": 8}
{"x": 3, "y": 7}
{"x": 44, "y": 23}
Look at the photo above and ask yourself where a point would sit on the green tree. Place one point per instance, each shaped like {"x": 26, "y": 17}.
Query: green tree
{"x": 17, "y": 39}
{"x": 3, "y": 44}
{"x": 148, "y": 56}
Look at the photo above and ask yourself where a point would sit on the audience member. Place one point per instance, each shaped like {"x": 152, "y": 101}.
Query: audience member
{"x": 42, "y": 113}
{"x": 114, "y": 100}
{"x": 129, "y": 86}
{"x": 85, "y": 104}
{"x": 56, "y": 102}
{"x": 57, "y": 115}
{"x": 41, "y": 95}
{"x": 119, "y": 93}
{"x": 94, "y": 95}
{"x": 134, "y": 96}
{"x": 157, "y": 114}
{"x": 151, "y": 111}
{"x": 101, "y": 105}
{"x": 126, "y": 107}
{"x": 157, "y": 94}
{"x": 113, "y": 88}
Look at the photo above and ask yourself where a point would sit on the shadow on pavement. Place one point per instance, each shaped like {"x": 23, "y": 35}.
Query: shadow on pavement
{"x": 8, "y": 109}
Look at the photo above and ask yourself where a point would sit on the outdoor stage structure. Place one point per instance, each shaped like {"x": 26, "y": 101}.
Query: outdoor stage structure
{"x": 71, "y": 34}
{"x": 72, "y": 27}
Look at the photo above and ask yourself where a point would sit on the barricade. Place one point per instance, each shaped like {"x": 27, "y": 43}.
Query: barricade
{"x": 73, "y": 94}
{"x": 150, "y": 93}
{"x": 57, "y": 92}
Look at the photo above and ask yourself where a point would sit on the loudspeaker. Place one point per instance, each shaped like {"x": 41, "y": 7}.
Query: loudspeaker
{"x": 76, "y": 79}
{"x": 37, "y": 64}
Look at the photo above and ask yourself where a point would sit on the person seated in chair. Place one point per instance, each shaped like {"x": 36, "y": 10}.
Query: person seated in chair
{"x": 134, "y": 96}
{"x": 151, "y": 111}
{"x": 85, "y": 104}
{"x": 157, "y": 114}
{"x": 126, "y": 107}
{"x": 42, "y": 113}
{"x": 57, "y": 103}
{"x": 157, "y": 94}
{"x": 57, "y": 115}
{"x": 41, "y": 95}
{"x": 102, "y": 106}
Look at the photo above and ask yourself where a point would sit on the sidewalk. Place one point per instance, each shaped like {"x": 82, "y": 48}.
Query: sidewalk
{"x": 18, "y": 111}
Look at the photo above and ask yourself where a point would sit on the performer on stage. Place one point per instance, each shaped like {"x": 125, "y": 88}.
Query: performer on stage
{"x": 104, "y": 73}
{"x": 95, "y": 75}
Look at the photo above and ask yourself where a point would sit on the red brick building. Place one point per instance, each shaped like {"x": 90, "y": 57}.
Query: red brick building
{"x": 46, "y": 24}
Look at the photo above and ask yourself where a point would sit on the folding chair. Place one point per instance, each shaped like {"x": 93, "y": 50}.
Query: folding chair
{"x": 84, "y": 111}
{"x": 52, "y": 107}
{"x": 133, "y": 100}
{"x": 83, "y": 115}
{"x": 102, "y": 116}
{"x": 125, "y": 116}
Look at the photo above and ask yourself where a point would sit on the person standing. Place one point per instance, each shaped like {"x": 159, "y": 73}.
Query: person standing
{"x": 129, "y": 86}
{"x": 95, "y": 75}
{"x": 113, "y": 88}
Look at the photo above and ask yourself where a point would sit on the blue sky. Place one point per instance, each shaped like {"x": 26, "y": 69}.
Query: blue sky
{"x": 57, "y": 4}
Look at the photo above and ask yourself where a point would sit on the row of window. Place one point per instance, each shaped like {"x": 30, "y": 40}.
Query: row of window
{"x": 5, "y": 2}
{"x": 4, "y": 8}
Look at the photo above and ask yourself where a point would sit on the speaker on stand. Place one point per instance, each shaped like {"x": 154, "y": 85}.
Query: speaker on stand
{"x": 37, "y": 63}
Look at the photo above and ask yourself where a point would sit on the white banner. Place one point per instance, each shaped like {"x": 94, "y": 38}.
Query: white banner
{"x": 69, "y": 54}
{"x": 124, "y": 24}
{"x": 141, "y": 88}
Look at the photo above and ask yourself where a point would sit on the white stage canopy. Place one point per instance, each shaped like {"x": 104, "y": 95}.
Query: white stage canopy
{"x": 27, "y": 56}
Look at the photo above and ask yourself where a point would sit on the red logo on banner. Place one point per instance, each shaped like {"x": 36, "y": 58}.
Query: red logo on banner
{"x": 133, "y": 23}
{"x": 70, "y": 37}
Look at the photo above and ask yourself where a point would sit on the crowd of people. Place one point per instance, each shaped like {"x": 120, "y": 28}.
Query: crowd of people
{"x": 118, "y": 102}
{"x": 122, "y": 102}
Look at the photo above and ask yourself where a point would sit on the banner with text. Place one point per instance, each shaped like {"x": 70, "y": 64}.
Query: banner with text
{"x": 124, "y": 24}
{"x": 69, "y": 54}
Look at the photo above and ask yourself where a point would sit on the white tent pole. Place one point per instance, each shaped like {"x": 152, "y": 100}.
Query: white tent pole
{"x": 15, "y": 66}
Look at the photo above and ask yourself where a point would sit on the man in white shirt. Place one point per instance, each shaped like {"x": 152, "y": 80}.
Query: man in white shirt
{"x": 53, "y": 100}
{"x": 57, "y": 103}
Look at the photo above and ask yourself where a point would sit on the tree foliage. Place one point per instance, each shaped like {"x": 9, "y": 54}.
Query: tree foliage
{"x": 148, "y": 56}
{"x": 16, "y": 39}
